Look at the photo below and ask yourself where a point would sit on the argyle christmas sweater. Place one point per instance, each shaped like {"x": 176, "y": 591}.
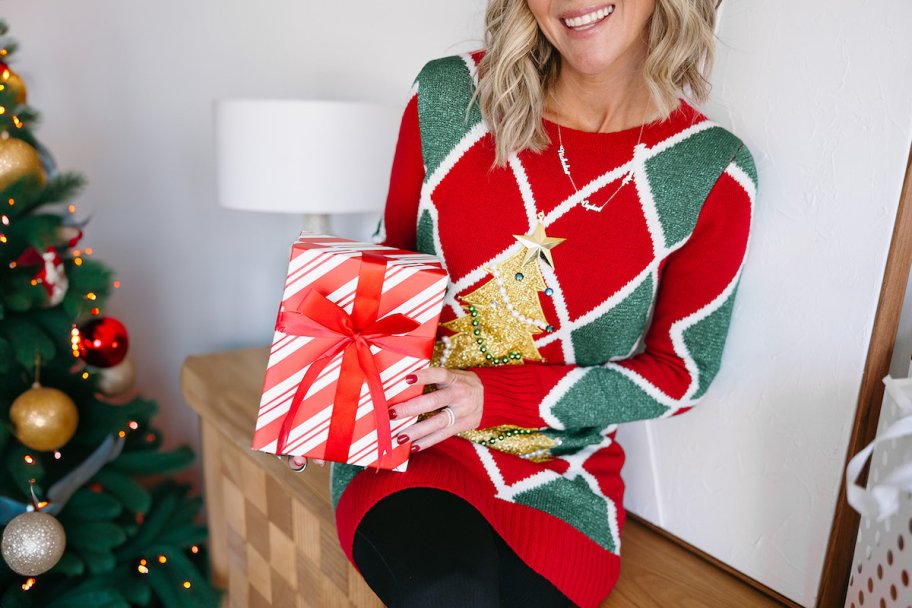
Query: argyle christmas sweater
{"x": 639, "y": 302}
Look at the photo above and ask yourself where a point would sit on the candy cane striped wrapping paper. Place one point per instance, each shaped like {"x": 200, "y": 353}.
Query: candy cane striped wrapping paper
{"x": 414, "y": 284}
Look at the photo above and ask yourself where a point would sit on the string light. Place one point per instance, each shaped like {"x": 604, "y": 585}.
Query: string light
{"x": 17, "y": 122}
{"x": 194, "y": 549}
{"x": 2, "y": 109}
{"x": 85, "y": 375}
{"x": 121, "y": 434}
{"x": 162, "y": 559}
{"x": 90, "y": 295}
{"x": 95, "y": 311}
{"x": 2, "y": 238}
{"x": 133, "y": 425}
{"x": 5, "y": 74}
{"x": 116, "y": 284}
{"x": 71, "y": 208}
{"x": 11, "y": 202}
{"x": 5, "y": 219}
{"x": 186, "y": 584}
{"x": 88, "y": 251}
{"x": 57, "y": 455}
{"x": 28, "y": 583}
{"x": 28, "y": 458}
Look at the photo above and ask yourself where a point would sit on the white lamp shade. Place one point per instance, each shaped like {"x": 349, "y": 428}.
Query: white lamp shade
{"x": 304, "y": 156}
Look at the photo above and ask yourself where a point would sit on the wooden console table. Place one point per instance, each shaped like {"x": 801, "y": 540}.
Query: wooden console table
{"x": 273, "y": 540}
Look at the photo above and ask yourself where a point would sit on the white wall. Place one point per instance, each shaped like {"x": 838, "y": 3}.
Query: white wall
{"x": 814, "y": 88}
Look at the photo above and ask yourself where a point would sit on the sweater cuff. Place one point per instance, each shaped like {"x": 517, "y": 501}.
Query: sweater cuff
{"x": 512, "y": 394}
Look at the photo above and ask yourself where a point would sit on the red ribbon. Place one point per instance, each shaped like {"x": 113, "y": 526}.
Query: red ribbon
{"x": 354, "y": 334}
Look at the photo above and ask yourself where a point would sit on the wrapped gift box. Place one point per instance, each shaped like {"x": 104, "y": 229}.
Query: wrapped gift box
{"x": 354, "y": 321}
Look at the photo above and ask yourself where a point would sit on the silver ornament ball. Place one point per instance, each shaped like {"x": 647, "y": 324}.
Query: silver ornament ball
{"x": 33, "y": 543}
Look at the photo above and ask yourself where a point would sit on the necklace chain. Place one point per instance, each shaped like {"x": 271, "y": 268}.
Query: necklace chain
{"x": 628, "y": 176}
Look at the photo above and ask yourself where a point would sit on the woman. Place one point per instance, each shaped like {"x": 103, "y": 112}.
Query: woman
{"x": 594, "y": 225}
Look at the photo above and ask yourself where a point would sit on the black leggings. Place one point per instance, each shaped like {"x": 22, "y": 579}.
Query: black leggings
{"x": 428, "y": 547}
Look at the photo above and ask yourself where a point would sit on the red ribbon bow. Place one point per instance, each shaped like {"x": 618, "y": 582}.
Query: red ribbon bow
{"x": 318, "y": 317}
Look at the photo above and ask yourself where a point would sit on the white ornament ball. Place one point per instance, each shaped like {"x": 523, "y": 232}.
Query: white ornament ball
{"x": 117, "y": 379}
{"x": 33, "y": 543}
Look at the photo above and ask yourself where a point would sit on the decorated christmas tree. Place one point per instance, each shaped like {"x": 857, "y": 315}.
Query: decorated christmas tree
{"x": 502, "y": 318}
{"x": 90, "y": 512}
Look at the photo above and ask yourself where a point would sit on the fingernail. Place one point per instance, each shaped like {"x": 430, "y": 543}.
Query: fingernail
{"x": 402, "y": 438}
{"x": 415, "y": 448}
{"x": 393, "y": 413}
{"x": 411, "y": 379}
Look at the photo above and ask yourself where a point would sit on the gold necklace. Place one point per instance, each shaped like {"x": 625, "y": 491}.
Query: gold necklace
{"x": 628, "y": 176}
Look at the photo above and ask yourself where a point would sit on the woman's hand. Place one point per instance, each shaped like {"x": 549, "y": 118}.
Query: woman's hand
{"x": 459, "y": 390}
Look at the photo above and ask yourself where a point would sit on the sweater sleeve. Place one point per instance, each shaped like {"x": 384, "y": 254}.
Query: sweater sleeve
{"x": 397, "y": 225}
{"x": 683, "y": 343}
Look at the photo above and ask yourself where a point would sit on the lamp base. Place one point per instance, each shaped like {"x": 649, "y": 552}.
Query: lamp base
{"x": 317, "y": 222}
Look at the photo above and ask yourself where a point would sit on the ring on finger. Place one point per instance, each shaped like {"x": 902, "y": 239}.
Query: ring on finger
{"x": 450, "y": 414}
{"x": 294, "y": 468}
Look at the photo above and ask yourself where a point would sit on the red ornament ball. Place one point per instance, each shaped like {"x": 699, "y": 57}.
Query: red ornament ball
{"x": 102, "y": 342}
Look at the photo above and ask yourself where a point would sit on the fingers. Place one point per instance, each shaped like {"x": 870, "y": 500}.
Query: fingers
{"x": 438, "y": 435}
{"x": 441, "y": 376}
{"x": 428, "y": 402}
{"x": 299, "y": 463}
{"x": 417, "y": 432}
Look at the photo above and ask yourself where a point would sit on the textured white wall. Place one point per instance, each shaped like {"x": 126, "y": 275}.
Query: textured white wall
{"x": 751, "y": 475}
{"x": 813, "y": 87}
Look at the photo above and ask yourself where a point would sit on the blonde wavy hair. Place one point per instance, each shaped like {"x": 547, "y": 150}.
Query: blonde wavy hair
{"x": 520, "y": 65}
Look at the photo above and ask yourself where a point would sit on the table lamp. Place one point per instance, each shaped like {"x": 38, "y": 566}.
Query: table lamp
{"x": 311, "y": 157}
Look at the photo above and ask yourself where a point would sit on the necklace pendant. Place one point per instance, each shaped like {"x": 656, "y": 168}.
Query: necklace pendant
{"x": 586, "y": 204}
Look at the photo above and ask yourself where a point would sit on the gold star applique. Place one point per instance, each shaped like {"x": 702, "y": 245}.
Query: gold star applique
{"x": 538, "y": 243}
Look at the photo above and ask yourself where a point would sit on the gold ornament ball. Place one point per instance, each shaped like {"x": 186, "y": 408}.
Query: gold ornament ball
{"x": 44, "y": 418}
{"x": 113, "y": 381}
{"x": 17, "y": 85}
{"x": 33, "y": 542}
{"x": 18, "y": 159}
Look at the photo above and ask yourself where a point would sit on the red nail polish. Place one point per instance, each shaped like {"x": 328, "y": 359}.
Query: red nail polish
{"x": 411, "y": 379}
{"x": 402, "y": 438}
{"x": 415, "y": 448}
{"x": 393, "y": 414}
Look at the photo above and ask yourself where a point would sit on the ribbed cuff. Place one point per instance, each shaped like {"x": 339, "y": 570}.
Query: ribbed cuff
{"x": 512, "y": 394}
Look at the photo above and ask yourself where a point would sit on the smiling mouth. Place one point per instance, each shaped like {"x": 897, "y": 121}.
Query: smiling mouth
{"x": 584, "y": 22}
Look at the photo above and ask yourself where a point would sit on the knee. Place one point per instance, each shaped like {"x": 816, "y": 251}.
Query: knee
{"x": 450, "y": 588}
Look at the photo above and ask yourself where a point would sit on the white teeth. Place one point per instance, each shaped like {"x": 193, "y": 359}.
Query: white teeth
{"x": 589, "y": 18}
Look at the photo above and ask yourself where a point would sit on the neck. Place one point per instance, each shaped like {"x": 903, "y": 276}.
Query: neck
{"x": 613, "y": 100}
